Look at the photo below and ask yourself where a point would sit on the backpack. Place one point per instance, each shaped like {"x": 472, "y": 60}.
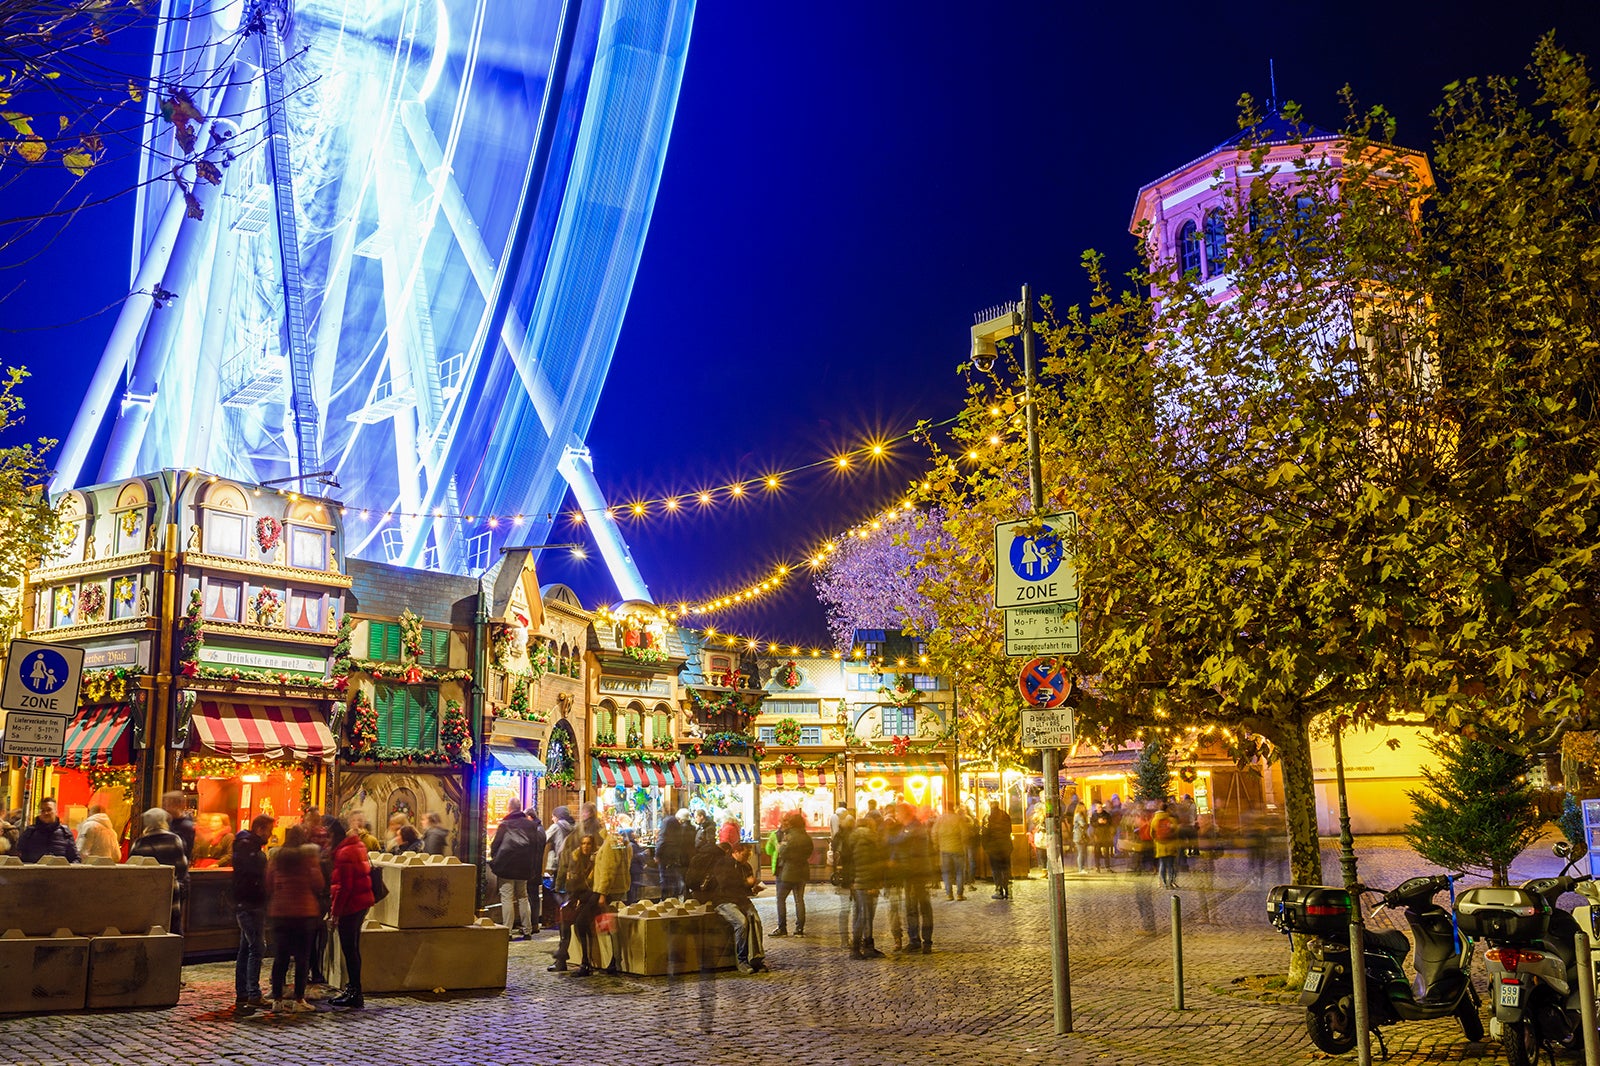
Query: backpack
{"x": 1164, "y": 828}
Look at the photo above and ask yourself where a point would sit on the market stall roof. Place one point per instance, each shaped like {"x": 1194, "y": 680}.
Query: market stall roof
{"x": 722, "y": 771}
{"x": 517, "y": 758}
{"x": 247, "y": 731}
{"x": 96, "y": 737}
{"x": 629, "y": 773}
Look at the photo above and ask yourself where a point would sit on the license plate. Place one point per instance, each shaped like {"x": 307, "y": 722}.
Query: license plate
{"x": 1510, "y": 995}
{"x": 1313, "y": 981}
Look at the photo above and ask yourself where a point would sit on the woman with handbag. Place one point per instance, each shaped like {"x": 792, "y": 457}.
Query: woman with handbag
{"x": 352, "y": 896}
{"x": 583, "y": 900}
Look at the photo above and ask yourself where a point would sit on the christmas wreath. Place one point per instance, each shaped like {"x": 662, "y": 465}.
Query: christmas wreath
{"x": 786, "y": 733}
{"x": 92, "y": 602}
{"x": 788, "y": 675}
{"x": 268, "y": 532}
{"x": 1187, "y": 774}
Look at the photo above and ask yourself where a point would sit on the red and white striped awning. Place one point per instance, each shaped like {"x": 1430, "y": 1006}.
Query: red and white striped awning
{"x": 248, "y": 731}
{"x": 95, "y": 738}
{"x": 795, "y": 776}
{"x": 628, "y": 773}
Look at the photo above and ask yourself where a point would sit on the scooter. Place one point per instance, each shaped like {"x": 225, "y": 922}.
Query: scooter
{"x": 1532, "y": 958}
{"x": 1442, "y": 986}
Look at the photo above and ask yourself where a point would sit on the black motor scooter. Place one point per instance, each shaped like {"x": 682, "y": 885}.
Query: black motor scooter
{"x": 1440, "y": 988}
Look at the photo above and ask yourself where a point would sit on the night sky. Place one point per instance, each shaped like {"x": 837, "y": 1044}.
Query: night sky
{"x": 840, "y": 195}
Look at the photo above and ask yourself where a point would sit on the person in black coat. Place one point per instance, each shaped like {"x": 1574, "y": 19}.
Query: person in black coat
{"x": 515, "y": 859}
{"x": 674, "y": 849}
{"x": 46, "y": 836}
{"x": 250, "y": 907}
{"x": 163, "y": 845}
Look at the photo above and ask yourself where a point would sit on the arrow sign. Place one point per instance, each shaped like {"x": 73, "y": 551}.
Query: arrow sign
{"x": 1043, "y": 683}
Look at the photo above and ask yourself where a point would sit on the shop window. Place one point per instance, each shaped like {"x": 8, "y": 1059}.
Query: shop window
{"x": 899, "y": 721}
{"x": 408, "y": 716}
{"x": 383, "y": 641}
{"x": 307, "y": 610}
{"x": 435, "y": 648}
{"x": 225, "y": 534}
{"x": 308, "y": 548}
{"x": 222, "y": 600}
{"x": 810, "y": 735}
{"x": 925, "y": 682}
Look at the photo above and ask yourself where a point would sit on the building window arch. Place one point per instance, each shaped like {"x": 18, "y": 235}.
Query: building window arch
{"x": 1188, "y": 248}
{"x": 1216, "y": 234}
{"x": 605, "y": 722}
{"x": 631, "y": 729}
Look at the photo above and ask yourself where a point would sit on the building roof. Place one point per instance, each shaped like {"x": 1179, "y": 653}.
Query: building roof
{"x": 383, "y": 590}
{"x": 1274, "y": 129}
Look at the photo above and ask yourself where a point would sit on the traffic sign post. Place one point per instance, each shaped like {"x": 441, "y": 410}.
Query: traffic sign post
{"x": 34, "y": 736}
{"x": 42, "y": 678}
{"x": 1032, "y": 566}
{"x": 1044, "y": 684}
{"x": 1051, "y": 630}
{"x": 1048, "y": 727}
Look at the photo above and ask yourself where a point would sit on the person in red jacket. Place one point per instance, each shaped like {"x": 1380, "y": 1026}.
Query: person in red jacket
{"x": 352, "y": 895}
{"x": 294, "y": 881}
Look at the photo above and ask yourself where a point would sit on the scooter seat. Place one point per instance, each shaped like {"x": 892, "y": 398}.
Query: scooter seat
{"x": 1390, "y": 941}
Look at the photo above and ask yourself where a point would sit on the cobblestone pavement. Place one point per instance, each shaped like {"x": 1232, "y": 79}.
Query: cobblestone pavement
{"x": 983, "y": 996}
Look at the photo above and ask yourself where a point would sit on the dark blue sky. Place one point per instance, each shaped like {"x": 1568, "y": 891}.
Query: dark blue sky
{"x": 842, "y": 193}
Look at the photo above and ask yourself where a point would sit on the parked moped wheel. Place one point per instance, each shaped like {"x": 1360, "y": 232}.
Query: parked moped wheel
{"x": 1521, "y": 1044}
{"x": 1471, "y": 1022}
{"x": 1332, "y": 1025}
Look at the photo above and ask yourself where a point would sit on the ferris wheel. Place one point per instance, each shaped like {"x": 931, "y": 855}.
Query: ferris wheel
{"x": 388, "y": 245}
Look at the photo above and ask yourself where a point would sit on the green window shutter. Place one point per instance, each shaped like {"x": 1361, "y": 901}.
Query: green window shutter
{"x": 381, "y": 703}
{"x": 391, "y": 641}
{"x": 423, "y": 721}
{"x": 375, "y": 640}
{"x": 441, "y": 647}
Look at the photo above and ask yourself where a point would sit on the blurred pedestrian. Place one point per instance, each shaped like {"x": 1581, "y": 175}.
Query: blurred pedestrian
{"x": 950, "y": 837}
{"x": 358, "y": 827}
{"x": 407, "y": 841}
{"x": 1080, "y": 836}
{"x": 160, "y": 843}
{"x": 350, "y": 899}
{"x": 674, "y": 849}
{"x": 727, "y": 888}
{"x": 1164, "y": 834}
{"x": 891, "y": 897}
{"x": 997, "y": 847}
{"x": 516, "y": 857}
{"x": 1102, "y": 827}
{"x": 570, "y": 889}
{"x": 46, "y": 836}
{"x": 435, "y": 840}
{"x": 294, "y": 888}
{"x": 864, "y": 857}
{"x": 613, "y": 879}
{"x": 793, "y": 872}
{"x": 917, "y": 868}
{"x": 584, "y": 902}
{"x": 250, "y": 909}
{"x": 179, "y": 821}
{"x": 97, "y": 837}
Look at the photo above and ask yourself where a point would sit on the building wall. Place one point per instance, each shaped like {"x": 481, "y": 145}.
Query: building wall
{"x": 1380, "y": 766}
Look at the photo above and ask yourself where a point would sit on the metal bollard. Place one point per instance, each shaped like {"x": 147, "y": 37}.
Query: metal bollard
{"x": 1591, "y": 1039}
{"x": 1177, "y": 952}
{"x": 1358, "y": 989}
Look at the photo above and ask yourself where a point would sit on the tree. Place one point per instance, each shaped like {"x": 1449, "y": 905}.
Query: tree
{"x": 866, "y": 582}
{"x": 1476, "y": 812}
{"x": 29, "y": 526}
{"x": 1152, "y": 776}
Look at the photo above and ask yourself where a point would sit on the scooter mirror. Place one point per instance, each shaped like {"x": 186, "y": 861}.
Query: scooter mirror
{"x": 1562, "y": 849}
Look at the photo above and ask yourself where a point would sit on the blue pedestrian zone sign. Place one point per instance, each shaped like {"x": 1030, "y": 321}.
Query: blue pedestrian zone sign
{"x": 42, "y": 678}
{"x": 1032, "y": 567}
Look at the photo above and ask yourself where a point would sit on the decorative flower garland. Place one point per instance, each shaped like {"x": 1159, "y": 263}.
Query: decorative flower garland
{"x": 114, "y": 684}
{"x": 565, "y": 778}
{"x": 455, "y": 737}
{"x": 500, "y": 645}
{"x": 788, "y": 675}
{"x": 92, "y": 602}
{"x": 728, "y": 701}
{"x": 106, "y": 778}
{"x": 267, "y": 607}
{"x": 605, "y": 739}
{"x": 789, "y": 759}
{"x": 727, "y": 744}
{"x": 638, "y": 755}
{"x": 408, "y": 673}
{"x": 261, "y": 677}
{"x": 190, "y": 638}
{"x": 268, "y": 531}
{"x": 129, "y": 523}
{"x": 411, "y": 633}
{"x": 197, "y": 766}
{"x": 904, "y": 693}
{"x": 645, "y": 656}
{"x": 786, "y": 733}
{"x": 363, "y": 726}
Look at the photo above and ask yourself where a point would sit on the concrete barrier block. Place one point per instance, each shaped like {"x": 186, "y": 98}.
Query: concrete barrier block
{"x": 135, "y": 970}
{"x": 426, "y": 895}
{"x": 417, "y": 960}
{"x": 43, "y": 973}
{"x": 85, "y": 899}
